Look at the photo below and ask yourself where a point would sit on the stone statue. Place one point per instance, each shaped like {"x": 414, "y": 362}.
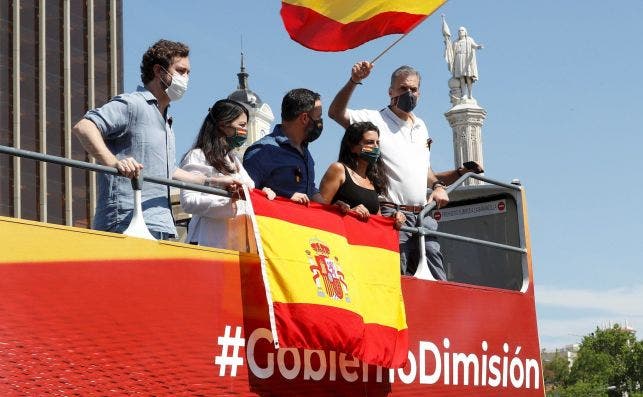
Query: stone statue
{"x": 461, "y": 58}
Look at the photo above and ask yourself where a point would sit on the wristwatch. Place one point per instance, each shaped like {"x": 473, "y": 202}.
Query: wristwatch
{"x": 438, "y": 183}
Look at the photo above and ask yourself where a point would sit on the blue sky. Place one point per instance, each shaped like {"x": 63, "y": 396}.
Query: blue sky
{"x": 556, "y": 78}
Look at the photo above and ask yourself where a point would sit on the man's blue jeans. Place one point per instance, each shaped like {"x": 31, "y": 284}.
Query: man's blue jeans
{"x": 409, "y": 246}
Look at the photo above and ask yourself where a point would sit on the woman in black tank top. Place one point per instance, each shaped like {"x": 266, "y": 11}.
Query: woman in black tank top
{"x": 357, "y": 178}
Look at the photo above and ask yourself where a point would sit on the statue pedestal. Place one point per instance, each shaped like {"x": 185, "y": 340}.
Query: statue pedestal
{"x": 466, "y": 119}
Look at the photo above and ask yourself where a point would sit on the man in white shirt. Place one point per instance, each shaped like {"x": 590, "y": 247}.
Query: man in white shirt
{"x": 404, "y": 144}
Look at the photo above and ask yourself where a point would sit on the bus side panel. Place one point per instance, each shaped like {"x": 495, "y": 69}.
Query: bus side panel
{"x": 170, "y": 319}
{"x": 115, "y": 327}
{"x": 468, "y": 340}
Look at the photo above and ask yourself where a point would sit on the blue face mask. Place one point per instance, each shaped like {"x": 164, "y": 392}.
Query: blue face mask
{"x": 370, "y": 154}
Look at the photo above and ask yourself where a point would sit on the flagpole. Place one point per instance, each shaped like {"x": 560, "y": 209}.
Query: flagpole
{"x": 398, "y": 40}
{"x": 389, "y": 47}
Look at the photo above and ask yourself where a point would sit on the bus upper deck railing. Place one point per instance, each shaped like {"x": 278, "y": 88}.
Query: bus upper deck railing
{"x": 107, "y": 170}
{"x": 205, "y": 189}
{"x": 422, "y": 231}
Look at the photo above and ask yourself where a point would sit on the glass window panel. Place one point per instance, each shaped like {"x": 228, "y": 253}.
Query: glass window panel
{"x": 475, "y": 264}
{"x": 6, "y": 106}
{"x": 80, "y": 206}
{"x": 55, "y": 194}
{"x": 29, "y": 190}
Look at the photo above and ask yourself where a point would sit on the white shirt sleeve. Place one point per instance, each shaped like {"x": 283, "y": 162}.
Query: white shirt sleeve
{"x": 361, "y": 115}
{"x": 243, "y": 174}
{"x": 203, "y": 204}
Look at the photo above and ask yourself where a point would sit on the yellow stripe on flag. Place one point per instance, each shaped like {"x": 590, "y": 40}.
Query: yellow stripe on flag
{"x": 293, "y": 264}
{"x": 346, "y": 11}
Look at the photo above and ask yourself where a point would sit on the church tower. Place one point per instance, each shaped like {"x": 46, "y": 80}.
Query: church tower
{"x": 261, "y": 116}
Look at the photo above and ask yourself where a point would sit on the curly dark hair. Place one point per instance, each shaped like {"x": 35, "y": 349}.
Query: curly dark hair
{"x": 374, "y": 172}
{"x": 212, "y": 140}
{"x": 161, "y": 53}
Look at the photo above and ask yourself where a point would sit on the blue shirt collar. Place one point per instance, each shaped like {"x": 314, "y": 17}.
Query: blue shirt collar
{"x": 282, "y": 139}
{"x": 279, "y": 135}
{"x": 147, "y": 94}
{"x": 149, "y": 97}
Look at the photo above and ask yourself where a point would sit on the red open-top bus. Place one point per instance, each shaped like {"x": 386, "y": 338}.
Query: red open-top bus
{"x": 84, "y": 312}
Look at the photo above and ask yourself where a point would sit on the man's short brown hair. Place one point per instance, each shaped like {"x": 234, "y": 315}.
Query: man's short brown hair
{"x": 162, "y": 52}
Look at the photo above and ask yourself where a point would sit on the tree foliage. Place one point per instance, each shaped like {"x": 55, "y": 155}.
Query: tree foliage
{"x": 582, "y": 389}
{"x": 556, "y": 371}
{"x": 609, "y": 363}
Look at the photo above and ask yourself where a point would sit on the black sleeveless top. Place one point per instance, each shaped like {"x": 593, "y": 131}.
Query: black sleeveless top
{"x": 354, "y": 194}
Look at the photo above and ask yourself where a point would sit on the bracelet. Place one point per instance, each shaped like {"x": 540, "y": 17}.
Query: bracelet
{"x": 355, "y": 82}
{"x": 438, "y": 183}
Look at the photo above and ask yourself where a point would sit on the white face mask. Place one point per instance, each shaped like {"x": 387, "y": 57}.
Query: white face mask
{"x": 178, "y": 87}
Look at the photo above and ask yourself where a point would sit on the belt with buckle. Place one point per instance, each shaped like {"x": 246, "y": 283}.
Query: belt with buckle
{"x": 416, "y": 209}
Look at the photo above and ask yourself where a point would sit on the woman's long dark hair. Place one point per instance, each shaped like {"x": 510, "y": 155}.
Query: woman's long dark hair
{"x": 212, "y": 140}
{"x": 352, "y": 136}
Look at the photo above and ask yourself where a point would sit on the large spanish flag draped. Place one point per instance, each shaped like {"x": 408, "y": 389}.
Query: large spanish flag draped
{"x": 338, "y": 25}
{"x": 332, "y": 281}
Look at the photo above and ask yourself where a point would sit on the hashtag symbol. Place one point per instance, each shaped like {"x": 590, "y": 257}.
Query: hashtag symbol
{"x": 235, "y": 360}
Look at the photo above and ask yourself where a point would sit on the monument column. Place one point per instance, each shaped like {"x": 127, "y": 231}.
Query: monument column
{"x": 466, "y": 119}
{"x": 465, "y": 116}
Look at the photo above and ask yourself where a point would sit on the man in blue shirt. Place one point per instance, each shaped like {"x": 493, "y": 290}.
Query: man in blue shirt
{"x": 281, "y": 160}
{"x": 132, "y": 131}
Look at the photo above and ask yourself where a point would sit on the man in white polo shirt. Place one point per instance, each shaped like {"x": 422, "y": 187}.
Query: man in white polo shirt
{"x": 404, "y": 144}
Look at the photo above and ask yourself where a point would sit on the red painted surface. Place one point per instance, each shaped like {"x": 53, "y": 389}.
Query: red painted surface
{"x": 154, "y": 328}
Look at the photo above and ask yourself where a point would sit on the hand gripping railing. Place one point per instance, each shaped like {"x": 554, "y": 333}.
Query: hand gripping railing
{"x": 423, "y": 271}
{"x": 107, "y": 170}
{"x": 137, "y": 227}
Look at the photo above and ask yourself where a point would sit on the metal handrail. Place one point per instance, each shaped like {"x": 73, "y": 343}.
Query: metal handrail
{"x": 425, "y": 232}
{"x": 108, "y": 170}
{"x": 459, "y": 182}
{"x": 421, "y": 231}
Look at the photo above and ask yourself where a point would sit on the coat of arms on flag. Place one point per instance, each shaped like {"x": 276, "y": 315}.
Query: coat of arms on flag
{"x": 327, "y": 273}
{"x": 332, "y": 281}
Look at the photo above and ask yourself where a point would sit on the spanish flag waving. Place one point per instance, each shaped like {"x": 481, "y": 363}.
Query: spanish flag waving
{"x": 332, "y": 281}
{"x": 338, "y": 25}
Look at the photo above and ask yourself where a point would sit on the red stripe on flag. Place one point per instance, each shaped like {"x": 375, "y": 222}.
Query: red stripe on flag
{"x": 377, "y": 232}
{"x": 318, "y": 32}
{"x": 380, "y": 233}
{"x": 309, "y": 326}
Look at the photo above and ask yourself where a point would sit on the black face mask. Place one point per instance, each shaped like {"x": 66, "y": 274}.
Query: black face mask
{"x": 315, "y": 130}
{"x": 238, "y": 139}
{"x": 406, "y": 102}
